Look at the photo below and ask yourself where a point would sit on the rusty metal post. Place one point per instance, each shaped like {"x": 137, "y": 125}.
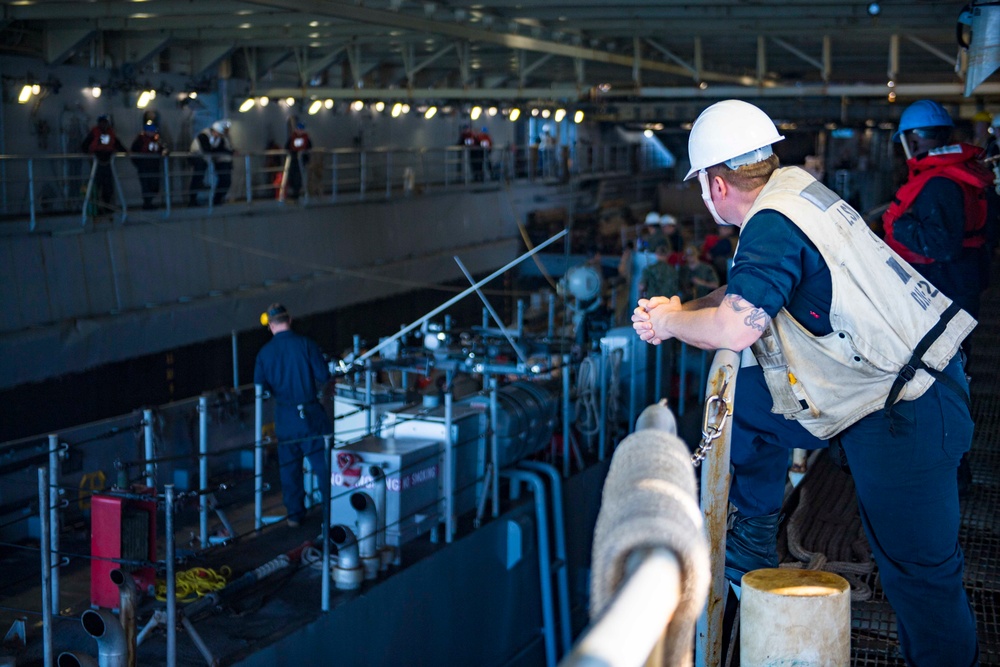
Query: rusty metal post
{"x": 715, "y": 478}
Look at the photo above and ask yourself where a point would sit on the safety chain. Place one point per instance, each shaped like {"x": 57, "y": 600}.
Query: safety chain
{"x": 710, "y": 432}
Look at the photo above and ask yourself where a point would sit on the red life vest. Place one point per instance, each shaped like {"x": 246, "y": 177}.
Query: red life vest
{"x": 960, "y": 163}
{"x": 148, "y": 143}
{"x": 102, "y": 142}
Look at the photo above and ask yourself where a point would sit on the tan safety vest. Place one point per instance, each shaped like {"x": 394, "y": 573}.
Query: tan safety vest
{"x": 889, "y": 323}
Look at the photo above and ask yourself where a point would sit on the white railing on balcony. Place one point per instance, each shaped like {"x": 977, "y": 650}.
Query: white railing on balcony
{"x": 70, "y": 184}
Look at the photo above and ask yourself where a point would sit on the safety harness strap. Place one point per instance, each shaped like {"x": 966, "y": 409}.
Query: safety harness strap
{"x": 909, "y": 370}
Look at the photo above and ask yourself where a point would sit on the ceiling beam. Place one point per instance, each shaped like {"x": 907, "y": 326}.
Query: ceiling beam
{"x": 60, "y": 44}
{"x": 808, "y": 91}
{"x": 509, "y": 40}
{"x": 205, "y": 57}
{"x": 144, "y": 48}
{"x": 417, "y": 94}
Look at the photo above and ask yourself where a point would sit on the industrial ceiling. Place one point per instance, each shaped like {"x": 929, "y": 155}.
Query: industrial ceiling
{"x": 559, "y": 50}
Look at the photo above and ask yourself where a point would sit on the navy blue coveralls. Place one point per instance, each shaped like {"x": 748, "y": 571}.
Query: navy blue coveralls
{"x": 906, "y": 479}
{"x": 291, "y": 367}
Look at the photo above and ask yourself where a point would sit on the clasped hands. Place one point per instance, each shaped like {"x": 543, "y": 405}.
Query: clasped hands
{"x": 651, "y": 316}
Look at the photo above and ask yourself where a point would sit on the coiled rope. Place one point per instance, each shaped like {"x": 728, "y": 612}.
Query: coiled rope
{"x": 825, "y": 532}
{"x": 194, "y": 583}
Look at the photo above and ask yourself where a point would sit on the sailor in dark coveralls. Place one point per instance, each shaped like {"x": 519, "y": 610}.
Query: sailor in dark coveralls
{"x": 291, "y": 367}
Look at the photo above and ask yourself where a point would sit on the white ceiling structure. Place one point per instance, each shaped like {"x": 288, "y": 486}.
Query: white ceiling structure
{"x": 816, "y": 53}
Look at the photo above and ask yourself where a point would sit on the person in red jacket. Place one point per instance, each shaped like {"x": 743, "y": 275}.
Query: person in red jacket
{"x": 102, "y": 143}
{"x": 937, "y": 219}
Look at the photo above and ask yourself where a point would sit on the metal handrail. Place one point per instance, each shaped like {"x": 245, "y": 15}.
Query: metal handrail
{"x": 66, "y": 184}
{"x": 633, "y": 624}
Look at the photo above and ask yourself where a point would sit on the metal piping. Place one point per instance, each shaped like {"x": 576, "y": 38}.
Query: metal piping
{"x": 458, "y": 297}
{"x": 147, "y": 427}
{"x": 449, "y": 466}
{"x": 43, "y": 547}
{"x": 102, "y": 625}
{"x": 561, "y": 565}
{"x": 348, "y": 574}
{"x": 128, "y": 595}
{"x": 567, "y": 433}
{"x": 258, "y": 458}
{"x": 203, "y": 470}
{"x": 544, "y": 559}
{"x": 170, "y": 556}
{"x": 367, "y": 523}
{"x": 325, "y": 532}
{"x": 55, "y": 471}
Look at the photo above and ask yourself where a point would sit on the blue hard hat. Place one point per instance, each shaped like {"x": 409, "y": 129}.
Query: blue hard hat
{"x": 151, "y": 128}
{"x": 923, "y": 113}
{"x": 300, "y": 126}
{"x": 486, "y": 129}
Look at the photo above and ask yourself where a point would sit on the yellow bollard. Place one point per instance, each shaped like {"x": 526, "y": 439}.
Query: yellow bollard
{"x": 795, "y": 617}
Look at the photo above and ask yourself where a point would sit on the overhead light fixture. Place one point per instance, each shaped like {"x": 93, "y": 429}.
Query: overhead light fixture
{"x": 515, "y": 113}
{"x": 492, "y": 111}
{"x": 35, "y": 89}
{"x": 358, "y": 105}
{"x": 380, "y": 106}
{"x": 397, "y": 109}
{"x": 25, "y": 94}
{"x": 703, "y": 85}
{"x": 290, "y": 101}
{"x": 328, "y": 103}
{"x": 406, "y": 108}
{"x": 648, "y": 134}
{"x": 315, "y": 107}
{"x": 546, "y": 113}
{"x": 874, "y": 9}
{"x": 578, "y": 117}
{"x": 475, "y": 113}
{"x": 534, "y": 112}
{"x": 152, "y": 94}
{"x": 431, "y": 110}
{"x": 560, "y": 114}
{"x": 264, "y": 100}
{"x": 95, "y": 91}
{"x": 144, "y": 99}
{"x": 246, "y": 106}
{"x": 193, "y": 94}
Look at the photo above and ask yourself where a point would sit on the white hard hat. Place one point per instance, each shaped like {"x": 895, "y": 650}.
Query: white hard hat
{"x": 667, "y": 219}
{"x": 219, "y": 126}
{"x": 652, "y": 218}
{"x": 731, "y": 131}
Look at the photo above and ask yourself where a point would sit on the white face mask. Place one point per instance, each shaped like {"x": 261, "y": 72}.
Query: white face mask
{"x": 706, "y": 195}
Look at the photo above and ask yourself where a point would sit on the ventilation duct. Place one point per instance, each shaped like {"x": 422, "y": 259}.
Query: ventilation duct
{"x": 983, "y": 44}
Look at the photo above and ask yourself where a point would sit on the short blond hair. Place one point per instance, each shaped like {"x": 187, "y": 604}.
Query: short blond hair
{"x": 747, "y": 177}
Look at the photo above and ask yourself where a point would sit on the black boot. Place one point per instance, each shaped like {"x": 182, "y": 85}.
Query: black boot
{"x": 751, "y": 544}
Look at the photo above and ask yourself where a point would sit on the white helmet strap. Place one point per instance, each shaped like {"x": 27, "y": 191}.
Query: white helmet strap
{"x": 754, "y": 156}
{"x": 706, "y": 195}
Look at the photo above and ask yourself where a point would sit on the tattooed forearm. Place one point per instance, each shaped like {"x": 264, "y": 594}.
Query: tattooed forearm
{"x": 755, "y": 317}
